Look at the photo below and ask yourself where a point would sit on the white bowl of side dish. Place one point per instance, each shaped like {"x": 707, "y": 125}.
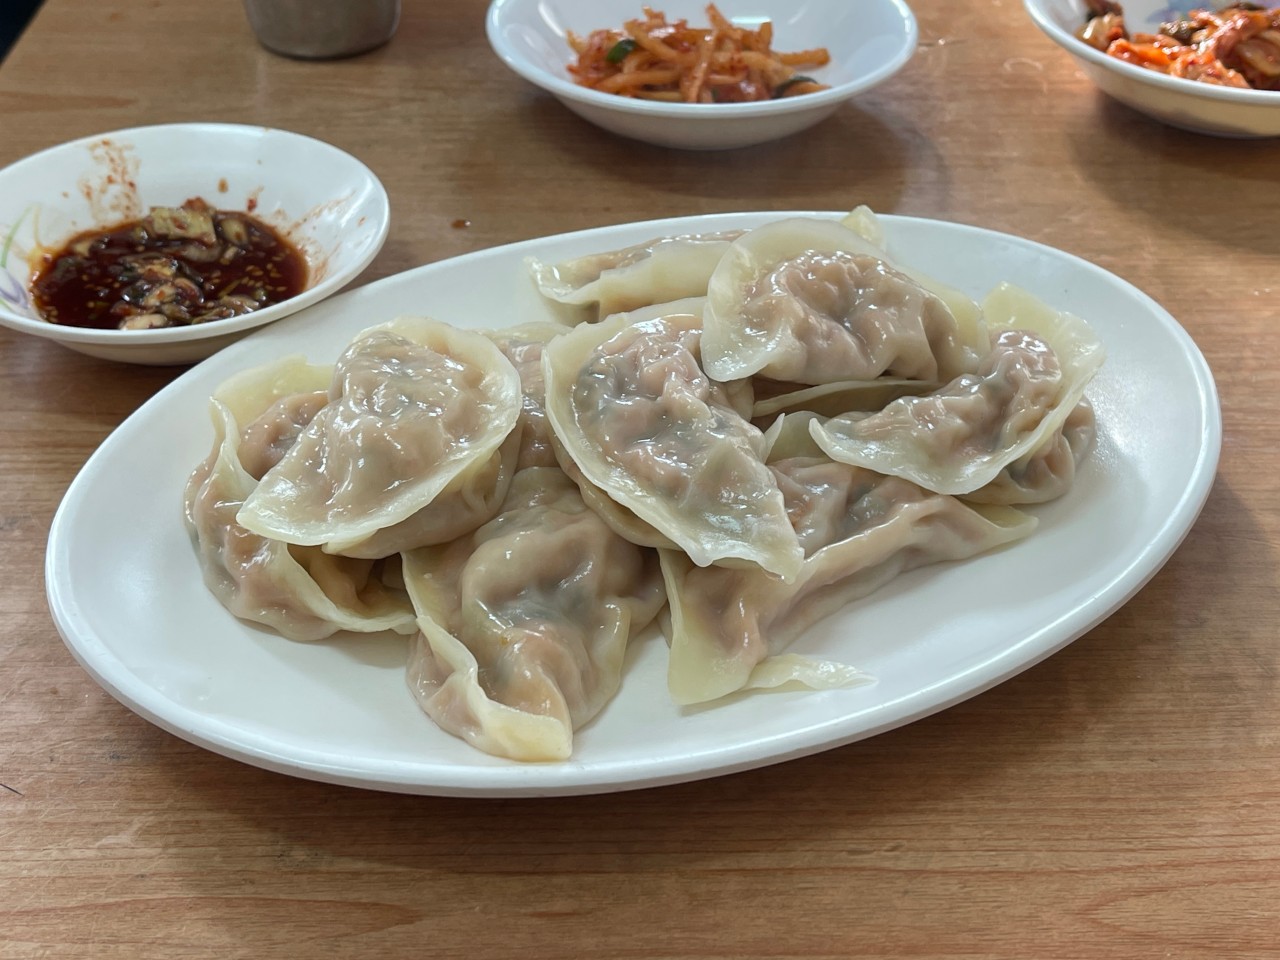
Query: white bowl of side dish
{"x": 329, "y": 206}
{"x": 868, "y": 42}
{"x": 1188, "y": 104}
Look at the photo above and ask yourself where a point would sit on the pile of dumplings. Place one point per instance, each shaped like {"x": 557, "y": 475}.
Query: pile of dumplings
{"x": 741, "y": 433}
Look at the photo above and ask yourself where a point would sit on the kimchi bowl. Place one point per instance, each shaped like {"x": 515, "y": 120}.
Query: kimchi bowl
{"x": 328, "y": 207}
{"x": 867, "y": 43}
{"x": 1194, "y": 105}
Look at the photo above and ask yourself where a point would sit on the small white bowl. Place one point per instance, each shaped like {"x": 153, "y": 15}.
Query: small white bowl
{"x": 1188, "y": 104}
{"x": 324, "y": 201}
{"x": 869, "y": 41}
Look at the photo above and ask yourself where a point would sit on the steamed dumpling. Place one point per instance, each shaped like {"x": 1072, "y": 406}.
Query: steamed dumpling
{"x": 859, "y": 530}
{"x": 473, "y": 497}
{"x": 470, "y": 499}
{"x": 525, "y": 622}
{"x": 522, "y": 345}
{"x": 634, "y": 410}
{"x": 657, "y": 271}
{"x": 1048, "y": 472}
{"x": 415, "y": 408}
{"x": 619, "y": 519}
{"x": 300, "y": 592}
{"x": 962, "y": 436}
{"x": 738, "y": 395}
{"x": 272, "y": 434}
{"x": 272, "y": 405}
{"x": 864, "y": 222}
{"x": 811, "y": 302}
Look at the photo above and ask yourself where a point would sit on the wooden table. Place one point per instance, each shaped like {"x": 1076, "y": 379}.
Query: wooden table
{"x": 1122, "y": 799}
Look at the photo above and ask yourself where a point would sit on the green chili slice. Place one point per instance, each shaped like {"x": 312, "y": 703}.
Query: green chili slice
{"x": 618, "y": 52}
{"x": 790, "y": 82}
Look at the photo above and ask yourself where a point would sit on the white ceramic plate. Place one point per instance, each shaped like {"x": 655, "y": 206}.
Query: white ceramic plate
{"x": 868, "y": 41}
{"x": 1199, "y": 107}
{"x": 126, "y": 593}
{"x": 328, "y": 203}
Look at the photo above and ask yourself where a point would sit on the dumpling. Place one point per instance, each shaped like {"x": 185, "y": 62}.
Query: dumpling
{"x": 633, "y": 409}
{"x": 272, "y": 405}
{"x": 623, "y": 521}
{"x": 416, "y": 408}
{"x": 1047, "y": 473}
{"x": 298, "y": 591}
{"x": 271, "y": 434}
{"x": 470, "y": 499}
{"x": 859, "y": 530}
{"x": 525, "y": 622}
{"x": 962, "y": 436}
{"x": 657, "y": 271}
{"x": 522, "y": 345}
{"x": 810, "y": 302}
{"x": 473, "y": 497}
{"x": 863, "y": 221}
{"x": 738, "y": 395}
{"x": 619, "y": 519}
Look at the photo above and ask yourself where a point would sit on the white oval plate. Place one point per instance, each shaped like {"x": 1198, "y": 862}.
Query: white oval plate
{"x": 126, "y": 592}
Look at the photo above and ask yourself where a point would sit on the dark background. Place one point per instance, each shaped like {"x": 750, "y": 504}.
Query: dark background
{"x": 14, "y": 17}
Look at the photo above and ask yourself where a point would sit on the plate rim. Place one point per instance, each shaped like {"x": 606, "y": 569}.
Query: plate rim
{"x": 574, "y": 777}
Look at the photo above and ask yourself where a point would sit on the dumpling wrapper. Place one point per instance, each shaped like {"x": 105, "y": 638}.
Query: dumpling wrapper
{"x": 657, "y": 271}
{"x": 290, "y": 388}
{"x": 473, "y": 496}
{"x": 1038, "y": 477}
{"x": 522, "y": 345}
{"x": 525, "y": 623}
{"x": 962, "y": 436}
{"x": 863, "y": 221}
{"x": 1049, "y": 472}
{"x": 739, "y": 395}
{"x": 860, "y": 530}
{"x": 470, "y": 499}
{"x": 832, "y": 399}
{"x": 619, "y": 519}
{"x": 631, "y": 406}
{"x": 300, "y": 592}
{"x": 809, "y": 301}
{"x": 272, "y": 405}
{"x": 414, "y": 405}
{"x": 789, "y": 437}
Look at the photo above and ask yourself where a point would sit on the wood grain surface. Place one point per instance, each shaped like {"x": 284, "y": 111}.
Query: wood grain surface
{"x": 1120, "y": 800}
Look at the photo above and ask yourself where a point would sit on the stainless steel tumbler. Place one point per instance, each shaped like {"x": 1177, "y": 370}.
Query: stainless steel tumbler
{"x": 322, "y": 29}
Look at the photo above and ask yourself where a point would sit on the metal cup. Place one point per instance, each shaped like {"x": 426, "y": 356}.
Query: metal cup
{"x": 322, "y": 29}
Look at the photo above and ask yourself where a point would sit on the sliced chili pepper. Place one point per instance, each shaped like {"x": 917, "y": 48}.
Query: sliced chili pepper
{"x": 618, "y": 52}
{"x": 790, "y": 82}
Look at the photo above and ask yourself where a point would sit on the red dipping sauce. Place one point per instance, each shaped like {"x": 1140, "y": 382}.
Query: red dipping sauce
{"x": 175, "y": 267}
